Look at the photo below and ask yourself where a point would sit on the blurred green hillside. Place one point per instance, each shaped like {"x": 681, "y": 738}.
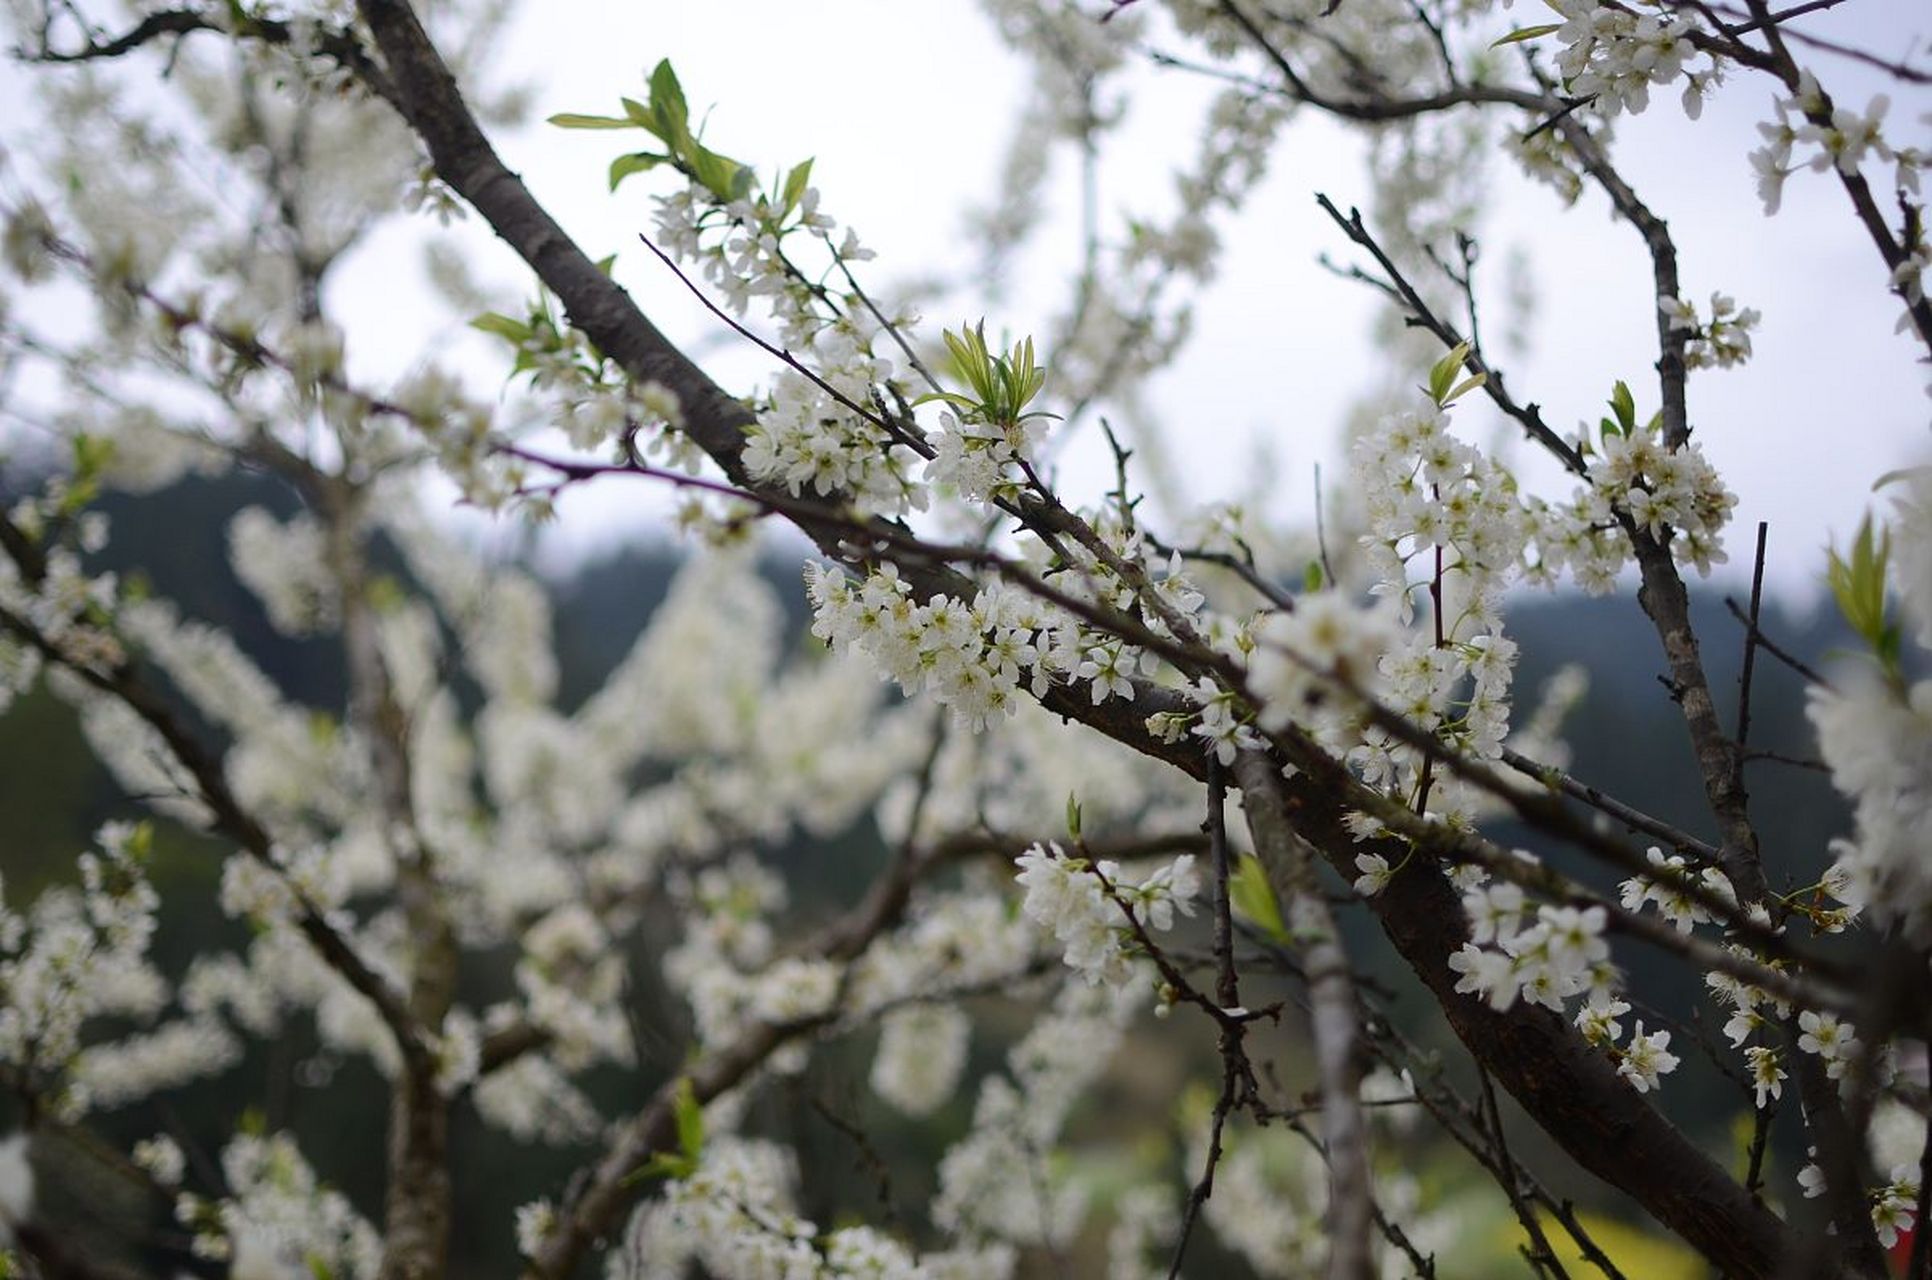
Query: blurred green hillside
{"x": 1627, "y": 738}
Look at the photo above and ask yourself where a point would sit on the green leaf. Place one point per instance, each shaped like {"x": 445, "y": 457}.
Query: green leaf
{"x": 1442, "y": 375}
{"x": 1000, "y": 385}
{"x": 571, "y": 120}
{"x": 1527, "y": 33}
{"x": 952, "y": 398}
{"x": 1312, "y": 577}
{"x": 1073, "y": 815}
{"x": 667, "y": 104}
{"x": 636, "y": 162}
{"x": 742, "y": 180}
{"x": 1624, "y": 405}
{"x": 1858, "y": 584}
{"x": 512, "y": 331}
{"x": 662, "y": 1165}
{"x": 642, "y": 116}
{"x": 91, "y": 456}
{"x": 1466, "y": 385}
{"x": 795, "y": 183}
{"x": 718, "y": 174}
{"x": 1888, "y": 646}
{"x": 1250, "y": 894}
{"x": 689, "y": 1114}
{"x": 605, "y": 264}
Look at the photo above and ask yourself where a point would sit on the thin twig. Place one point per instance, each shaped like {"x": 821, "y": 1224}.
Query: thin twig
{"x": 1773, "y": 648}
{"x": 1778, "y": 757}
{"x": 1539, "y": 1253}
{"x": 1635, "y": 819}
{"x": 1321, "y": 532}
{"x": 1398, "y": 285}
{"x": 1751, "y": 641}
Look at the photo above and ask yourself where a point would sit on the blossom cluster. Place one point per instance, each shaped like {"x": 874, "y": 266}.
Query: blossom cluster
{"x": 1668, "y": 491}
{"x": 1894, "y": 1202}
{"x": 1721, "y": 342}
{"x": 1085, "y": 905}
{"x": 1445, "y": 522}
{"x": 829, "y": 424}
{"x": 276, "y": 1218}
{"x": 972, "y": 657}
{"x": 1876, "y": 735}
{"x": 1668, "y": 891}
{"x": 1325, "y": 647}
{"x": 736, "y": 1215}
{"x": 980, "y": 460}
{"x": 1614, "y": 55}
{"x": 1837, "y": 137}
{"x": 1549, "y": 959}
{"x": 79, "y": 954}
{"x": 1000, "y": 1182}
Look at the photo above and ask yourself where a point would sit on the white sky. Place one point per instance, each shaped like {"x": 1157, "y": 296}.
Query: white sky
{"x": 906, "y": 108}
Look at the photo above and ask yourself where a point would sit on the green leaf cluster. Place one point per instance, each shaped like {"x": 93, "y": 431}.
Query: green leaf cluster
{"x": 1858, "y": 584}
{"x": 667, "y": 117}
{"x": 542, "y": 331}
{"x": 1443, "y": 387}
{"x": 998, "y": 387}
{"x": 1623, "y": 408}
{"x": 536, "y": 333}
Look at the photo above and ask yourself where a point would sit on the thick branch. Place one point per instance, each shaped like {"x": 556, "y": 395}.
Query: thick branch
{"x": 1571, "y": 1090}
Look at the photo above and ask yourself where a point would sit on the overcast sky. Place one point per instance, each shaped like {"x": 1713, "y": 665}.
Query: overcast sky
{"x": 906, "y": 108}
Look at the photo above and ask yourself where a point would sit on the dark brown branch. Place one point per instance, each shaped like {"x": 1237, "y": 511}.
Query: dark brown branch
{"x": 1891, "y": 249}
{"x": 1571, "y": 1090}
{"x": 1399, "y": 287}
{"x": 1750, "y": 641}
{"x": 339, "y": 46}
{"x": 1541, "y": 1256}
{"x": 1634, "y": 819}
{"x": 1773, "y": 648}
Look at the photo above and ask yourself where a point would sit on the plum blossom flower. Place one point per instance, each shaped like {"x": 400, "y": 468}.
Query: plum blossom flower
{"x": 1646, "y": 1058}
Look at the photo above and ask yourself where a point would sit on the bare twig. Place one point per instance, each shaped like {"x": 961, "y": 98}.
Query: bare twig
{"x": 1772, "y": 647}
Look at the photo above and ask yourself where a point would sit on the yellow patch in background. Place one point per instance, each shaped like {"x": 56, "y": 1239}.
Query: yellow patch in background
{"x": 1635, "y": 1250}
